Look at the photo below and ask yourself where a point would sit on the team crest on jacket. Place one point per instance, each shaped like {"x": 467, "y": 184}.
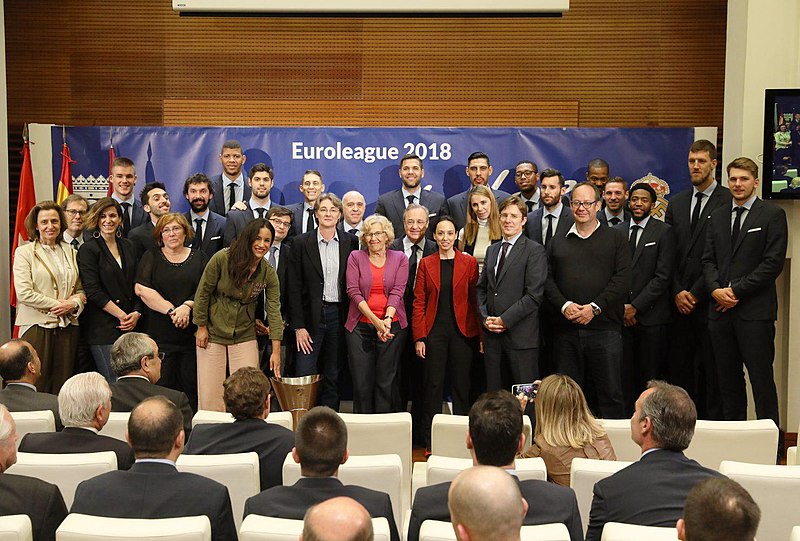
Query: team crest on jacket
{"x": 662, "y": 191}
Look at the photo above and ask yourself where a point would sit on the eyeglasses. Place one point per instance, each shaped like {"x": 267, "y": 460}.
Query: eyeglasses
{"x": 72, "y": 212}
{"x": 585, "y": 204}
{"x": 520, "y": 174}
{"x": 279, "y": 223}
{"x": 160, "y": 355}
{"x": 374, "y": 234}
{"x": 418, "y": 223}
{"x": 171, "y": 230}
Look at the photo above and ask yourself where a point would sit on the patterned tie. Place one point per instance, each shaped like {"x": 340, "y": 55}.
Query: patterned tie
{"x": 696, "y": 211}
{"x": 231, "y": 195}
{"x": 197, "y": 241}
{"x": 271, "y": 258}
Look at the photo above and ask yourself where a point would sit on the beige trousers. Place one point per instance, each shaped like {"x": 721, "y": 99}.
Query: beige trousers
{"x": 211, "y": 364}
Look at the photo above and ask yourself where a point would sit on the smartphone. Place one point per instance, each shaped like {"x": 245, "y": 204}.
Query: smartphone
{"x": 527, "y": 389}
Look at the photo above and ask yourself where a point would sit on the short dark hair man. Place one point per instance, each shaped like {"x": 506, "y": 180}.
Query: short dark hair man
{"x": 719, "y": 509}
{"x": 553, "y": 218}
{"x": 123, "y": 180}
{"x": 261, "y": 181}
{"x": 230, "y": 186}
{"x": 526, "y": 176}
{"x": 155, "y": 201}
{"x": 209, "y": 227}
{"x": 494, "y": 439}
{"x": 597, "y": 173}
{"x": 20, "y": 368}
{"x": 652, "y": 491}
{"x": 154, "y": 488}
{"x": 246, "y": 395}
{"x": 75, "y": 208}
{"x": 615, "y": 196}
{"x": 320, "y": 448}
{"x": 479, "y": 170}
{"x": 337, "y": 519}
{"x": 312, "y": 187}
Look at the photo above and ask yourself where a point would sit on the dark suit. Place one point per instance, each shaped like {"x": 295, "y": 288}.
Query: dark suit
{"x": 547, "y": 503}
{"x": 77, "y": 440}
{"x": 293, "y": 501}
{"x": 515, "y": 295}
{"x": 236, "y": 219}
{"x": 457, "y": 206}
{"x": 650, "y": 492}
{"x": 393, "y": 205}
{"x": 692, "y": 363}
{"x": 42, "y": 502}
{"x": 128, "y": 391}
{"x": 142, "y": 238}
{"x": 18, "y": 397}
{"x": 156, "y": 490}
{"x": 745, "y": 334}
{"x": 601, "y": 215}
{"x": 137, "y": 215}
{"x": 217, "y": 203}
{"x": 213, "y": 236}
{"x": 271, "y": 442}
{"x": 323, "y": 321}
{"x": 533, "y": 227}
{"x": 299, "y": 218}
{"x": 645, "y": 343}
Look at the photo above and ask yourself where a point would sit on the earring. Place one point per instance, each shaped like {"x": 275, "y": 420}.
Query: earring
{"x": 96, "y": 233}
{"x": 119, "y": 232}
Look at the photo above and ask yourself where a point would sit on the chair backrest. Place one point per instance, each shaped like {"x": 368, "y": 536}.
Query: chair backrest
{"x": 377, "y": 472}
{"x": 776, "y": 490}
{"x": 117, "y": 425}
{"x": 64, "y": 470}
{"x": 29, "y": 422}
{"x": 283, "y": 418}
{"x": 441, "y": 469}
{"x": 795, "y": 534}
{"x": 616, "y": 531}
{"x": 239, "y": 472}
{"x": 449, "y": 435}
{"x": 754, "y": 442}
{"x": 77, "y": 527}
{"x": 16, "y": 528}
{"x": 619, "y": 432}
{"x": 260, "y": 528}
{"x": 437, "y": 530}
{"x": 584, "y": 473}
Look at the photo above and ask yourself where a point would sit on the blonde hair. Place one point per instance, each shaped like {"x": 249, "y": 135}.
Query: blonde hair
{"x": 563, "y": 418}
{"x": 378, "y": 223}
{"x": 471, "y": 228}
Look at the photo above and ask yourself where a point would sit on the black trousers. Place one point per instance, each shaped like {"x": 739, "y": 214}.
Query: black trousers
{"x": 326, "y": 357}
{"x": 179, "y": 370}
{"x": 644, "y": 358}
{"x": 374, "y": 368}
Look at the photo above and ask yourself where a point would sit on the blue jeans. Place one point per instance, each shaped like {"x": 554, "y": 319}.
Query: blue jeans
{"x": 102, "y": 360}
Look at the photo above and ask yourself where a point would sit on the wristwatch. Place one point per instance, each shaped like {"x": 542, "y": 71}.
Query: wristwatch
{"x": 595, "y": 309}
{"x": 169, "y": 312}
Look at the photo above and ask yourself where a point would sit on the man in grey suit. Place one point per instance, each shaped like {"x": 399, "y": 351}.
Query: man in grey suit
{"x": 479, "y": 170}
{"x": 209, "y": 227}
{"x": 20, "y": 368}
{"x": 231, "y": 185}
{"x": 393, "y": 204}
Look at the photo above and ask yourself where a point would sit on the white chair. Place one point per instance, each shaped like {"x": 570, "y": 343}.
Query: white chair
{"x": 283, "y": 418}
{"x": 77, "y": 527}
{"x": 619, "y": 432}
{"x": 795, "y": 534}
{"x": 616, "y": 531}
{"x": 64, "y": 470}
{"x": 117, "y": 425}
{"x": 754, "y": 442}
{"x": 16, "y": 528}
{"x": 260, "y": 528}
{"x": 437, "y": 530}
{"x": 29, "y": 422}
{"x": 584, "y": 473}
{"x": 791, "y": 456}
{"x": 377, "y": 472}
{"x": 776, "y": 490}
{"x": 239, "y": 472}
{"x": 449, "y": 435}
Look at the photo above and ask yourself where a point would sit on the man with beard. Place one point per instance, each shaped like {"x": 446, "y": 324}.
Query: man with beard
{"x": 615, "y": 195}
{"x": 478, "y": 170}
{"x": 155, "y": 201}
{"x": 261, "y": 181}
{"x": 393, "y": 204}
{"x": 647, "y": 312}
{"x": 688, "y": 213}
{"x": 230, "y": 186}
{"x": 208, "y": 225}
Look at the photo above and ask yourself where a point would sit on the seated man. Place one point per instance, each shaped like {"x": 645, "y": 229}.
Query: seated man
{"x": 20, "y": 368}
{"x": 22, "y": 495}
{"x": 246, "y": 395}
{"x": 136, "y": 361}
{"x": 494, "y": 438}
{"x": 719, "y": 509}
{"x": 84, "y": 403}
{"x": 652, "y": 491}
{"x": 337, "y": 519}
{"x": 320, "y": 448}
{"x": 154, "y": 488}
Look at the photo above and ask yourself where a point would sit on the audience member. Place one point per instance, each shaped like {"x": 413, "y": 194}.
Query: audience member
{"x": 230, "y": 186}
{"x": 483, "y": 224}
{"x": 337, "y": 519}
{"x": 155, "y": 201}
{"x": 478, "y": 170}
{"x": 719, "y": 509}
{"x": 261, "y": 181}
{"x": 123, "y": 180}
{"x": 526, "y": 175}
{"x": 305, "y": 218}
{"x": 353, "y": 215}
{"x": 20, "y": 368}
{"x": 209, "y": 226}
{"x": 615, "y": 196}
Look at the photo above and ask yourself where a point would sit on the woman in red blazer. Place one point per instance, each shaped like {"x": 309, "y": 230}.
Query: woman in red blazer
{"x": 445, "y": 322}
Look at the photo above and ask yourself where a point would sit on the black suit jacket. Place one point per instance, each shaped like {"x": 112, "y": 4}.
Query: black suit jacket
{"x": 393, "y": 205}
{"x": 213, "y": 237}
{"x": 293, "y": 501}
{"x": 157, "y": 490}
{"x": 752, "y": 265}
{"x": 547, "y": 503}
{"x": 408, "y": 296}
{"x": 142, "y": 238}
{"x": 457, "y": 206}
{"x": 217, "y": 203}
{"x": 236, "y": 219}
{"x": 533, "y": 227}
{"x": 306, "y": 279}
{"x": 42, "y": 502}
{"x": 104, "y": 281}
{"x": 601, "y": 215}
{"x": 127, "y": 392}
{"x": 298, "y": 218}
{"x": 516, "y": 293}
{"x": 650, "y": 492}
{"x": 689, "y": 246}
{"x": 651, "y": 272}
{"x": 77, "y": 440}
{"x": 271, "y": 442}
{"x": 18, "y": 397}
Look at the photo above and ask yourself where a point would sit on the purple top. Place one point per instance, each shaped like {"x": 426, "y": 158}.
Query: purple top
{"x": 359, "y": 284}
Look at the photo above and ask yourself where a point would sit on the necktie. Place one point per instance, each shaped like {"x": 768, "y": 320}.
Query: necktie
{"x": 353, "y": 231}
{"x": 75, "y": 244}
{"x": 412, "y": 268}
{"x": 410, "y": 199}
{"x": 634, "y": 237}
{"x": 310, "y": 220}
{"x": 737, "y": 225}
{"x": 530, "y": 206}
{"x": 614, "y": 221}
{"x": 548, "y": 236}
{"x": 260, "y": 211}
{"x": 271, "y": 258}
{"x": 197, "y": 241}
{"x": 126, "y": 217}
{"x": 231, "y": 195}
{"x": 696, "y": 211}
{"x": 503, "y": 250}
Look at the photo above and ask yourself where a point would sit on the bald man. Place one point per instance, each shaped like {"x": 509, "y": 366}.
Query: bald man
{"x": 337, "y": 519}
{"x": 353, "y": 216}
{"x": 485, "y": 503}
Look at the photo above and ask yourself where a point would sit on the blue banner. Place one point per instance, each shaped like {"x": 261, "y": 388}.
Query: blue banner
{"x": 367, "y": 159}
